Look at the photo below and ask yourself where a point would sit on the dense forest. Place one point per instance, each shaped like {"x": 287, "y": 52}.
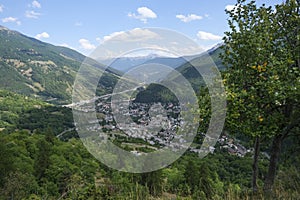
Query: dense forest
{"x": 36, "y": 164}
{"x": 42, "y": 157}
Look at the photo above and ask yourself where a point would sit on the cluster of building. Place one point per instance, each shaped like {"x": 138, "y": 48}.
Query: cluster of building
{"x": 233, "y": 147}
{"x": 156, "y": 124}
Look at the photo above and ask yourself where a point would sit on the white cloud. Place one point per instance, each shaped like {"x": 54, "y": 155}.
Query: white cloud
{"x": 134, "y": 35}
{"x": 85, "y": 44}
{"x": 208, "y": 36}
{"x": 229, "y": 7}
{"x": 141, "y": 39}
{"x": 11, "y": 19}
{"x": 189, "y": 17}
{"x": 42, "y": 35}
{"x": 1, "y": 8}
{"x": 232, "y": 7}
{"x": 112, "y": 35}
{"x": 32, "y": 14}
{"x": 144, "y": 14}
{"x": 35, "y": 4}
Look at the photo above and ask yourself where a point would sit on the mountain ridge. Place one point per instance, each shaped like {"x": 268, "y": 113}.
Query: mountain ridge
{"x": 35, "y": 68}
{"x": 125, "y": 64}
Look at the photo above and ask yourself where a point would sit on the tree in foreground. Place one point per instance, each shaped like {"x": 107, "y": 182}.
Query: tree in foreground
{"x": 262, "y": 53}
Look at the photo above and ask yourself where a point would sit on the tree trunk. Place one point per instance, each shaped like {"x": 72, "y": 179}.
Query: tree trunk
{"x": 255, "y": 164}
{"x": 275, "y": 151}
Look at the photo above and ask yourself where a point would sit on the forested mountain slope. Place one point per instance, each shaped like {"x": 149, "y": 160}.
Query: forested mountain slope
{"x": 31, "y": 67}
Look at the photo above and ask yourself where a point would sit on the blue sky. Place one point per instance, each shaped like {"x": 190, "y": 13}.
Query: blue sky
{"x": 82, "y": 25}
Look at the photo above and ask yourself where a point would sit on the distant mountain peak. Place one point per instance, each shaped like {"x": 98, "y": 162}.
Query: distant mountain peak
{"x": 214, "y": 48}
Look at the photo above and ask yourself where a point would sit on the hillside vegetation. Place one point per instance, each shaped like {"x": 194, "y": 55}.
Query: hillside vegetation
{"x": 255, "y": 157}
{"x": 34, "y": 68}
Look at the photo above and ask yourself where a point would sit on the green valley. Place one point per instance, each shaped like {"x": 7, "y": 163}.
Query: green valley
{"x": 256, "y": 156}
